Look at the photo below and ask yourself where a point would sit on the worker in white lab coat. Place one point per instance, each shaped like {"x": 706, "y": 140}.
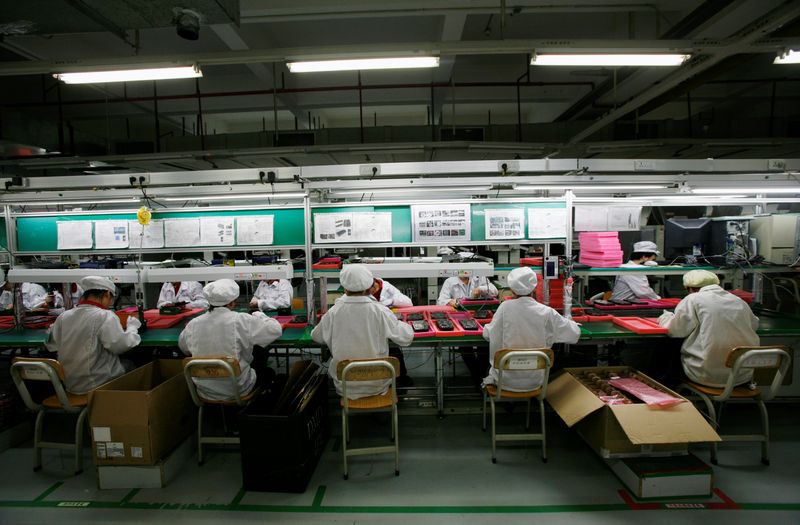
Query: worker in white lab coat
{"x": 36, "y": 298}
{"x": 6, "y": 293}
{"x": 465, "y": 286}
{"x": 182, "y": 293}
{"x": 388, "y": 295}
{"x": 523, "y": 323}
{"x": 631, "y": 286}
{"x": 358, "y": 327}
{"x": 713, "y": 322}
{"x": 221, "y": 331}
{"x": 273, "y": 294}
{"x": 89, "y": 338}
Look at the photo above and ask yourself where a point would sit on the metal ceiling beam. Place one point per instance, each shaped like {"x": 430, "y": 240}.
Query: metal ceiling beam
{"x": 737, "y": 44}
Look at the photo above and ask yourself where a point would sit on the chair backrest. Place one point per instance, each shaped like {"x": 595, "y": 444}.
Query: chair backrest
{"x": 511, "y": 359}
{"x": 38, "y": 369}
{"x": 212, "y": 367}
{"x": 775, "y": 357}
{"x": 367, "y": 370}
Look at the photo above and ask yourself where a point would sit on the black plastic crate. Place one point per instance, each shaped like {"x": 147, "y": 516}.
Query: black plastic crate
{"x": 280, "y": 452}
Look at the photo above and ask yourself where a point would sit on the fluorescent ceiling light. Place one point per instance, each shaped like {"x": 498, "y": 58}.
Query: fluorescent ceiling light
{"x": 361, "y": 64}
{"x": 790, "y": 57}
{"x": 386, "y": 191}
{"x": 594, "y": 187}
{"x": 261, "y": 196}
{"x": 752, "y": 191}
{"x": 70, "y": 203}
{"x": 609, "y": 59}
{"x": 129, "y": 75}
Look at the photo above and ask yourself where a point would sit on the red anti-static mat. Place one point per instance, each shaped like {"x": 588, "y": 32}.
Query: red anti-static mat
{"x": 639, "y": 325}
{"x": 478, "y": 302}
{"x": 457, "y": 317}
{"x": 455, "y": 332}
{"x": 157, "y": 321}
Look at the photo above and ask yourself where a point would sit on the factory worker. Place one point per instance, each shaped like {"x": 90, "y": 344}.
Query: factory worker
{"x": 89, "y": 338}
{"x": 388, "y": 295}
{"x": 7, "y": 293}
{"x": 182, "y": 293}
{"x": 630, "y": 286}
{"x": 36, "y": 298}
{"x": 713, "y": 322}
{"x": 522, "y": 323}
{"x": 221, "y": 331}
{"x": 358, "y": 327}
{"x": 75, "y": 293}
{"x": 273, "y": 294}
{"x": 467, "y": 287}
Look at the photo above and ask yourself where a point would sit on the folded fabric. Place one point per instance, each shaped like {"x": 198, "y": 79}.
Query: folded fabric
{"x": 646, "y": 393}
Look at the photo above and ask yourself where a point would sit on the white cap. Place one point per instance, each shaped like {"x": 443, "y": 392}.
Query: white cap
{"x": 464, "y": 273}
{"x": 221, "y": 292}
{"x": 699, "y": 278}
{"x": 356, "y": 278}
{"x": 95, "y": 282}
{"x": 522, "y": 281}
{"x": 646, "y": 247}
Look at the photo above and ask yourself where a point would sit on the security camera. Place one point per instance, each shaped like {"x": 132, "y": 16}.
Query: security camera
{"x": 187, "y": 23}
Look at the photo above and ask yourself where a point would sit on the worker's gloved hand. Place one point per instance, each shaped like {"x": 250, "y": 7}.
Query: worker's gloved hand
{"x": 254, "y": 303}
{"x": 134, "y": 323}
{"x": 665, "y": 318}
{"x": 452, "y": 302}
{"x": 476, "y": 293}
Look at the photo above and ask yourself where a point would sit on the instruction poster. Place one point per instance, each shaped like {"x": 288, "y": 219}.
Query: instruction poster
{"x": 181, "y": 232}
{"x": 591, "y": 219}
{"x": 352, "y": 227}
{"x": 252, "y": 231}
{"x": 216, "y": 231}
{"x": 547, "y": 223}
{"x": 74, "y": 235}
{"x": 111, "y": 234}
{"x": 150, "y": 236}
{"x": 440, "y": 223}
{"x": 624, "y": 218}
{"x": 505, "y": 224}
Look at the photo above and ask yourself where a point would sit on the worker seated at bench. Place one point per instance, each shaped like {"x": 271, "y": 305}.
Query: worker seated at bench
{"x": 6, "y": 292}
{"x": 89, "y": 338}
{"x": 631, "y": 287}
{"x": 713, "y": 321}
{"x": 358, "y": 327}
{"x": 222, "y": 331}
{"x": 273, "y": 294}
{"x": 522, "y": 323}
{"x": 465, "y": 286}
{"x": 187, "y": 294}
{"x": 388, "y": 295}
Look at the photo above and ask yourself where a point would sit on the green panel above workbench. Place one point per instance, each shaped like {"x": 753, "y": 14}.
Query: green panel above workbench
{"x": 401, "y": 219}
{"x": 479, "y": 215}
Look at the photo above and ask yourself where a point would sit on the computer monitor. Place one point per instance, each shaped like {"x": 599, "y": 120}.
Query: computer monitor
{"x": 684, "y": 237}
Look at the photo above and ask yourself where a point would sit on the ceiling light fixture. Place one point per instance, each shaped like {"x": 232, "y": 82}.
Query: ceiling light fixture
{"x": 752, "y": 191}
{"x": 594, "y": 187}
{"x": 788, "y": 57}
{"x": 70, "y": 203}
{"x": 386, "y": 191}
{"x": 609, "y": 59}
{"x": 262, "y": 196}
{"x": 361, "y": 64}
{"x": 129, "y": 75}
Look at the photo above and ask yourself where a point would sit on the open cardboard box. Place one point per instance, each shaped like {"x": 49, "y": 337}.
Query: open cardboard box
{"x": 138, "y": 418}
{"x": 626, "y": 430}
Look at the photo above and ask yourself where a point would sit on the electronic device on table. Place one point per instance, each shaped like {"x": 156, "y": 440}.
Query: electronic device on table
{"x": 415, "y": 317}
{"x": 687, "y": 238}
{"x": 444, "y": 325}
{"x": 469, "y": 324}
{"x": 300, "y": 319}
{"x": 420, "y": 326}
{"x": 481, "y": 314}
{"x": 438, "y": 315}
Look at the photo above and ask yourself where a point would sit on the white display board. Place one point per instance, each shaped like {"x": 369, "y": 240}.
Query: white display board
{"x": 181, "y": 232}
{"x": 352, "y": 227}
{"x": 111, "y": 235}
{"x": 547, "y": 223}
{"x": 505, "y": 224}
{"x": 254, "y": 230}
{"x": 74, "y": 235}
{"x": 150, "y": 236}
{"x": 441, "y": 223}
{"x": 217, "y": 231}
{"x": 590, "y": 219}
{"x": 624, "y": 218}
{"x": 611, "y": 218}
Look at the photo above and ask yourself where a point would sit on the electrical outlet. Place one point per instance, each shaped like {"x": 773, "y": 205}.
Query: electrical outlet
{"x": 776, "y": 164}
{"x": 644, "y": 165}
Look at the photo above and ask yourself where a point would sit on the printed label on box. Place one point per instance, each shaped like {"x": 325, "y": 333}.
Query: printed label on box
{"x": 136, "y": 452}
{"x": 101, "y": 450}
{"x": 101, "y": 434}
{"x": 115, "y": 449}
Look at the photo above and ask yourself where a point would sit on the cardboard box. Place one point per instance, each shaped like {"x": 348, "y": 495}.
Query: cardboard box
{"x": 147, "y": 476}
{"x": 626, "y": 430}
{"x": 684, "y": 476}
{"x": 138, "y": 418}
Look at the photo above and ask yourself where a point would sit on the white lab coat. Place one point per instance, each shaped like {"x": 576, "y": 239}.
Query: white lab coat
{"x": 453, "y": 288}
{"x": 273, "y": 296}
{"x": 6, "y": 300}
{"x": 523, "y": 323}
{"x": 190, "y": 292}
{"x": 359, "y": 327}
{"x": 391, "y": 296}
{"x": 88, "y": 340}
{"x": 76, "y": 295}
{"x": 713, "y": 322}
{"x": 225, "y": 332}
{"x": 33, "y": 296}
{"x": 631, "y": 287}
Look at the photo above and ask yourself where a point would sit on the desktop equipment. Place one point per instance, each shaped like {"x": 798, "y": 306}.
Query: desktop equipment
{"x": 730, "y": 236}
{"x": 687, "y": 239}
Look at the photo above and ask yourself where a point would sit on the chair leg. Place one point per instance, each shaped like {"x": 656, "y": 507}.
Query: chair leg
{"x": 544, "y": 434}
{"x": 396, "y": 432}
{"x": 200, "y": 435}
{"x": 494, "y": 431}
{"x": 765, "y": 432}
{"x": 344, "y": 443}
{"x": 528, "y": 415}
{"x": 483, "y": 410}
{"x": 37, "y": 439}
{"x": 79, "y": 441}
